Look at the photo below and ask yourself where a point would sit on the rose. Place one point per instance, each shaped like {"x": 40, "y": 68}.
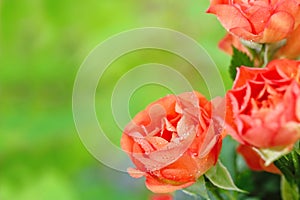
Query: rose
{"x": 260, "y": 21}
{"x": 173, "y": 141}
{"x": 263, "y": 111}
{"x": 263, "y": 107}
{"x": 254, "y": 161}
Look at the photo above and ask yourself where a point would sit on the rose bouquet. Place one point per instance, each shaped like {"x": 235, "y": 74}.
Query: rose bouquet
{"x": 176, "y": 141}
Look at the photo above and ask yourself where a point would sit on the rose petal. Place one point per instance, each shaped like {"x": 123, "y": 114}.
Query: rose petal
{"x": 279, "y": 26}
{"x": 162, "y": 187}
{"x": 170, "y": 153}
{"x": 157, "y": 142}
{"x": 288, "y": 134}
{"x": 127, "y": 143}
{"x": 291, "y": 49}
{"x": 297, "y": 110}
{"x": 244, "y": 74}
{"x": 280, "y": 66}
{"x": 265, "y": 136}
{"x": 183, "y": 170}
{"x": 226, "y": 13}
{"x": 290, "y": 6}
{"x": 258, "y": 15}
{"x": 211, "y": 138}
{"x": 135, "y": 173}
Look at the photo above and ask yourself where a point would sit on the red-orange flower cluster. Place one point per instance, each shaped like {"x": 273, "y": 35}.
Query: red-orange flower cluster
{"x": 173, "y": 141}
{"x": 177, "y": 139}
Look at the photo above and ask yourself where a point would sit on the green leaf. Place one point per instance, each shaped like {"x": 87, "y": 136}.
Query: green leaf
{"x": 288, "y": 191}
{"x": 220, "y": 177}
{"x": 271, "y": 154}
{"x": 238, "y": 59}
{"x": 197, "y": 189}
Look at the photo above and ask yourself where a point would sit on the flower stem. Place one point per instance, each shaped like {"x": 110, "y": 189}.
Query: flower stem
{"x": 266, "y": 54}
{"x": 284, "y": 166}
{"x": 290, "y": 167}
{"x": 296, "y": 159}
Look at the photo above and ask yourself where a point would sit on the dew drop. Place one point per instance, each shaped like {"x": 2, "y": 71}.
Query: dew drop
{"x": 194, "y": 154}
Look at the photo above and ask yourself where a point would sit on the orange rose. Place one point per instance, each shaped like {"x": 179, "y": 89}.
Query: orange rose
{"x": 264, "y": 105}
{"x": 254, "y": 161}
{"x": 261, "y": 21}
{"x": 173, "y": 141}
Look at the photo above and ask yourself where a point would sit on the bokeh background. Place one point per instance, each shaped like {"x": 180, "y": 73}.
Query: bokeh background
{"x": 42, "y": 45}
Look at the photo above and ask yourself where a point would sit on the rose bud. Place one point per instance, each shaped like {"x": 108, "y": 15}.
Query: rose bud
{"x": 173, "y": 141}
{"x": 261, "y": 21}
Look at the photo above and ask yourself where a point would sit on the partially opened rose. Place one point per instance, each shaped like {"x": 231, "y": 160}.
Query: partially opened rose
{"x": 173, "y": 141}
{"x": 264, "y": 105}
{"x": 261, "y": 21}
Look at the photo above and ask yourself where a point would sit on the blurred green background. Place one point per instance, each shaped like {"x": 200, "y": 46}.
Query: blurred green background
{"x": 42, "y": 45}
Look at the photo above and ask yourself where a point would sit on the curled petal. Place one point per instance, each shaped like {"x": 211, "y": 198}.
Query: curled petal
{"x": 244, "y": 74}
{"x": 280, "y": 25}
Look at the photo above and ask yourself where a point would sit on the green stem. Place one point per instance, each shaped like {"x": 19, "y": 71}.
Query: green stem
{"x": 290, "y": 167}
{"x": 266, "y": 55}
{"x": 269, "y": 50}
{"x": 283, "y": 165}
{"x": 296, "y": 159}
